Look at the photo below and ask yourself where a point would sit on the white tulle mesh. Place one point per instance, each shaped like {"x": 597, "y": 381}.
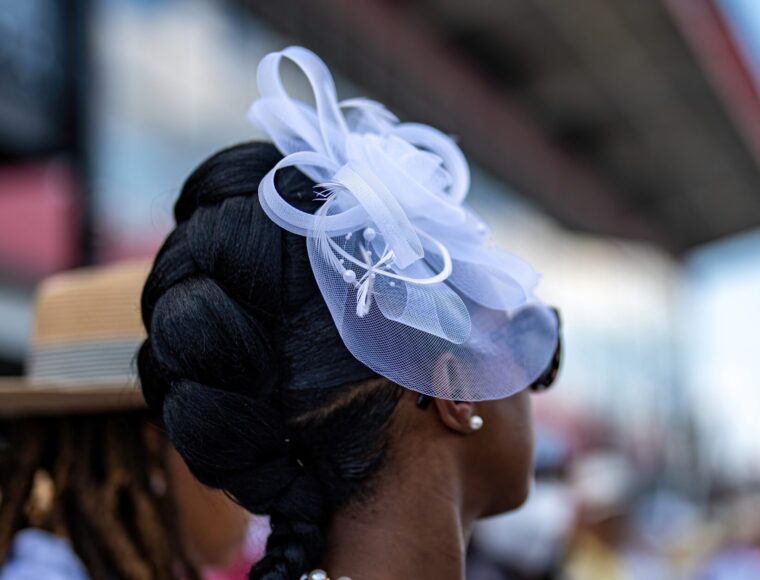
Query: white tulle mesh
{"x": 416, "y": 292}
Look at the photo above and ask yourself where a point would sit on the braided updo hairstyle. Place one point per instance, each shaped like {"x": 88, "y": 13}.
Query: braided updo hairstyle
{"x": 244, "y": 364}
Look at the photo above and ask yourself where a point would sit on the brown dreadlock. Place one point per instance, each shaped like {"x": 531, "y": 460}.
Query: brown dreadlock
{"x": 87, "y": 478}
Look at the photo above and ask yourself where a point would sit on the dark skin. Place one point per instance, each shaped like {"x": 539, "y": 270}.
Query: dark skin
{"x": 450, "y": 475}
{"x": 213, "y": 527}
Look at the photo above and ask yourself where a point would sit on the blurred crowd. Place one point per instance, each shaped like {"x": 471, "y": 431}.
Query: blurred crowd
{"x": 597, "y": 513}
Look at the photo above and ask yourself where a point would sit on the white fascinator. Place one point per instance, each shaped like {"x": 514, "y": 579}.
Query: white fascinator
{"x": 417, "y": 292}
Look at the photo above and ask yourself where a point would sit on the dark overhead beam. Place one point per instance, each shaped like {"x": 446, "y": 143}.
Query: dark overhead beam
{"x": 707, "y": 33}
{"x": 443, "y": 87}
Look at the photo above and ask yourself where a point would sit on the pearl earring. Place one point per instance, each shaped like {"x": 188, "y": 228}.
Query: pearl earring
{"x": 476, "y": 422}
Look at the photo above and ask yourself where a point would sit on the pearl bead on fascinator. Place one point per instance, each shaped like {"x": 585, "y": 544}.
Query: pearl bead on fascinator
{"x": 416, "y": 290}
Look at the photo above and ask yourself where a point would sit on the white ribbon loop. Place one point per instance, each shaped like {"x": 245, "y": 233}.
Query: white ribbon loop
{"x": 383, "y": 210}
{"x": 328, "y": 134}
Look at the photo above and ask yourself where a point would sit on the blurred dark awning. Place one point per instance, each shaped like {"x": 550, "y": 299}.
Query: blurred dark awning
{"x": 632, "y": 118}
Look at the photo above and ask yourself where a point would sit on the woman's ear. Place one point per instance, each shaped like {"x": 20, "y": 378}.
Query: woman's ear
{"x": 455, "y": 415}
{"x": 155, "y": 442}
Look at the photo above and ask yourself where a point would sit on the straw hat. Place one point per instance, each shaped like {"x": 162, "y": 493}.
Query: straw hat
{"x": 86, "y": 333}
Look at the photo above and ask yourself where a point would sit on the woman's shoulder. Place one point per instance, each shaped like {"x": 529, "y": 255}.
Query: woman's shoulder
{"x": 38, "y": 554}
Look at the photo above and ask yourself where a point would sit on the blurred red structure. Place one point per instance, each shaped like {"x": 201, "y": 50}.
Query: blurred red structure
{"x": 39, "y": 214}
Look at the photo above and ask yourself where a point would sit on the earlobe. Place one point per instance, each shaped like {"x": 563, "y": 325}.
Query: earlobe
{"x": 457, "y": 416}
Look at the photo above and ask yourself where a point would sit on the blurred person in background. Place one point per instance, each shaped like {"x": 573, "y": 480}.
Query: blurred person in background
{"x": 605, "y": 546}
{"x": 89, "y": 487}
{"x": 737, "y": 556}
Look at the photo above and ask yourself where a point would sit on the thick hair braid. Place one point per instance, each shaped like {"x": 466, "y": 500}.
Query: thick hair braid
{"x": 209, "y": 274}
{"x": 243, "y": 361}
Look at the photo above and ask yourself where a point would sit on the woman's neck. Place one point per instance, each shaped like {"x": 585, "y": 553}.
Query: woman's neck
{"x": 412, "y": 527}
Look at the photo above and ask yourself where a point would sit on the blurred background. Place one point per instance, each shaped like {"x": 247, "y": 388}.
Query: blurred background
{"x": 615, "y": 144}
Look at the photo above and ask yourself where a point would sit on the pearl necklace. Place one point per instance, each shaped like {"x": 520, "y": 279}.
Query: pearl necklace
{"x": 320, "y": 575}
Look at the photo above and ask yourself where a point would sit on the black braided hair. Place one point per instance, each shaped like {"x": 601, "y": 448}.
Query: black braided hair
{"x": 244, "y": 363}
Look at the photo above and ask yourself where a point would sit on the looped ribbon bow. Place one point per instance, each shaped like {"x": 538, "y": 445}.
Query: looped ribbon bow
{"x": 400, "y": 186}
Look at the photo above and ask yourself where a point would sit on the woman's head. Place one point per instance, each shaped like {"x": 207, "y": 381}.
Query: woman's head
{"x": 256, "y": 389}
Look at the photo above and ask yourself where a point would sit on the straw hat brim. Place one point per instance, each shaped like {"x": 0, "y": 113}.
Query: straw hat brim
{"x": 20, "y": 398}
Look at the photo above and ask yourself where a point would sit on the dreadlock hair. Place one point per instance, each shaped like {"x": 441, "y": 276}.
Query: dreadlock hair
{"x": 243, "y": 361}
{"x": 86, "y": 478}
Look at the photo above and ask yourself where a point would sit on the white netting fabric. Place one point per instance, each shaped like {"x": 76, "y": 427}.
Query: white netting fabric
{"x": 415, "y": 290}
